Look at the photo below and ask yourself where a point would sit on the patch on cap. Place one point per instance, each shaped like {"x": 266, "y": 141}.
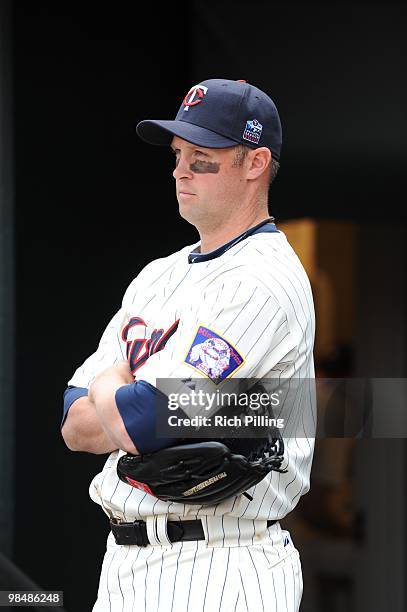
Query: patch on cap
{"x": 252, "y": 131}
{"x": 213, "y": 355}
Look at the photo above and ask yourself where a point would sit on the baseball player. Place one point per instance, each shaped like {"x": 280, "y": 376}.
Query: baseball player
{"x": 236, "y": 305}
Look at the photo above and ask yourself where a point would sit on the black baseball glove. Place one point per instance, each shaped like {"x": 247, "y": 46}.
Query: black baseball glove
{"x": 202, "y": 473}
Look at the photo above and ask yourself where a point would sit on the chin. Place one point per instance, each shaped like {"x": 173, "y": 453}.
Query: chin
{"x": 187, "y": 215}
{"x": 187, "y": 212}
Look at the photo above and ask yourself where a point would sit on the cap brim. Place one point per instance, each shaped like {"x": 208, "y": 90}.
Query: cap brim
{"x": 161, "y": 132}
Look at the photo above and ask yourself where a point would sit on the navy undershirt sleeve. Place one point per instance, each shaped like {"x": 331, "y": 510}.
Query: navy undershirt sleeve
{"x": 71, "y": 394}
{"x": 139, "y": 404}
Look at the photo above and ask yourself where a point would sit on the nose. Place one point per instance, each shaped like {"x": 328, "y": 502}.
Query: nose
{"x": 182, "y": 169}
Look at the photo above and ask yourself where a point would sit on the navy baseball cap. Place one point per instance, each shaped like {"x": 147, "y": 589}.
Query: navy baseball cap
{"x": 220, "y": 113}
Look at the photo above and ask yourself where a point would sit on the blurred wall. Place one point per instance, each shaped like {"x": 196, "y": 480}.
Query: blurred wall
{"x": 328, "y": 250}
{"x": 335, "y": 71}
{"x": 7, "y": 281}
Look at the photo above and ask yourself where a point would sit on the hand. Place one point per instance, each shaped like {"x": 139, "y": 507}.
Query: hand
{"x": 118, "y": 374}
{"x": 122, "y": 368}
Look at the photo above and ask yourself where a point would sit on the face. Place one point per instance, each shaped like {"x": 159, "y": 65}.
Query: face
{"x": 208, "y": 183}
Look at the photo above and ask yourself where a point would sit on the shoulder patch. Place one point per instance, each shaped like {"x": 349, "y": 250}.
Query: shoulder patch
{"x": 213, "y": 355}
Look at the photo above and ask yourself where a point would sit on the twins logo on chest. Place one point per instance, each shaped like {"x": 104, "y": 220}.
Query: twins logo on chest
{"x": 138, "y": 347}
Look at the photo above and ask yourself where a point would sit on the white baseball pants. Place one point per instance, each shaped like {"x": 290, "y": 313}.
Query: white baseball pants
{"x": 241, "y": 567}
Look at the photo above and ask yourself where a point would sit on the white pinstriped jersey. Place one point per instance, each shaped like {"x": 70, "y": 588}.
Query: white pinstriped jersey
{"x": 256, "y": 296}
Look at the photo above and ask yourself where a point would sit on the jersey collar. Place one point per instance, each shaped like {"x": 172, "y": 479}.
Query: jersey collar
{"x": 266, "y": 226}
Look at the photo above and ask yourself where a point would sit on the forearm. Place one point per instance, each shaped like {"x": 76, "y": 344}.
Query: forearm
{"x": 102, "y": 393}
{"x": 83, "y": 431}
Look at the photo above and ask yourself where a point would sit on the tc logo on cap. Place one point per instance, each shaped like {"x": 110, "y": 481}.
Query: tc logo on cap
{"x": 196, "y": 90}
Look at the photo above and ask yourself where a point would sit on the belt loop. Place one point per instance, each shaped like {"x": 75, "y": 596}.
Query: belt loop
{"x": 162, "y": 529}
{"x": 157, "y": 530}
{"x": 151, "y": 523}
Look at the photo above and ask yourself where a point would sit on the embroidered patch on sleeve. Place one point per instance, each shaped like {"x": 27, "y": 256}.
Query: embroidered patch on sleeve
{"x": 213, "y": 355}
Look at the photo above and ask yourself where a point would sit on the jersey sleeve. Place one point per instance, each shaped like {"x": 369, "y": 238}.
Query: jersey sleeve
{"x": 232, "y": 329}
{"x": 71, "y": 394}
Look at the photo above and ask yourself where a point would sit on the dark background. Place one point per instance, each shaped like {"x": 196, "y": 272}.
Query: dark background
{"x": 94, "y": 204}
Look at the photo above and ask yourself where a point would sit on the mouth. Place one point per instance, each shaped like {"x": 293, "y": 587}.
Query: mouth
{"x": 183, "y": 194}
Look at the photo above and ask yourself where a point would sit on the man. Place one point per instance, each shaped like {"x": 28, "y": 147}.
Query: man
{"x": 236, "y": 305}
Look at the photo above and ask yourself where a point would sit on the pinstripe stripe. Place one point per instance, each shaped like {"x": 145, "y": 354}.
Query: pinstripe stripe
{"x": 274, "y": 347}
{"x": 240, "y": 312}
{"x": 125, "y": 517}
{"x": 145, "y": 580}
{"x": 147, "y": 303}
{"x": 224, "y": 581}
{"x": 300, "y": 572}
{"x": 207, "y": 580}
{"x": 237, "y": 601}
{"x": 234, "y": 502}
{"x": 219, "y": 292}
{"x": 275, "y": 594}
{"x": 243, "y": 589}
{"x": 132, "y": 584}
{"x": 107, "y": 577}
{"x": 285, "y": 590}
{"x": 285, "y": 491}
{"x": 237, "y": 289}
{"x": 294, "y": 580}
{"x": 257, "y": 576}
{"x": 253, "y": 320}
{"x": 264, "y": 553}
{"x": 175, "y": 577}
{"x": 118, "y": 576}
{"x": 159, "y": 580}
{"x": 170, "y": 276}
{"x": 213, "y": 272}
{"x": 236, "y": 252}
{"x": 144, "y": 495}
{"x": 272, "y": 513}
{"x": 192, "y": 573}
{"x": 177, "y": 287}
{"x": 154, "y": 282}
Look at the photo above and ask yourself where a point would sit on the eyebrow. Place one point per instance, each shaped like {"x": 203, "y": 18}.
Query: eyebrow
{"x": 192, "y": 146}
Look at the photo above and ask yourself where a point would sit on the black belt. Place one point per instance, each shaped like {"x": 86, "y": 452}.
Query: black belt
{"x": 135, "y": 533}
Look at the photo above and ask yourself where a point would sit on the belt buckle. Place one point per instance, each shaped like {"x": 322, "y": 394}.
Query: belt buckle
{"x": 130, "y": 534}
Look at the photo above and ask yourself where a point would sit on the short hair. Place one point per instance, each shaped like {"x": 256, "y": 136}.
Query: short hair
{"x": 240, "y": 153}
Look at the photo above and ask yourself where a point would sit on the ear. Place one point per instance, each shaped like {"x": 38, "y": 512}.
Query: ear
{"x": 258, "y": 162}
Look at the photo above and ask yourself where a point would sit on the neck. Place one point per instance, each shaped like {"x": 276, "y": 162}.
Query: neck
{"x": 214, "y": 237}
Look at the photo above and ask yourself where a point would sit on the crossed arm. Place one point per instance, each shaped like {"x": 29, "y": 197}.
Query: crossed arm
{"x": 93, "y": 423}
